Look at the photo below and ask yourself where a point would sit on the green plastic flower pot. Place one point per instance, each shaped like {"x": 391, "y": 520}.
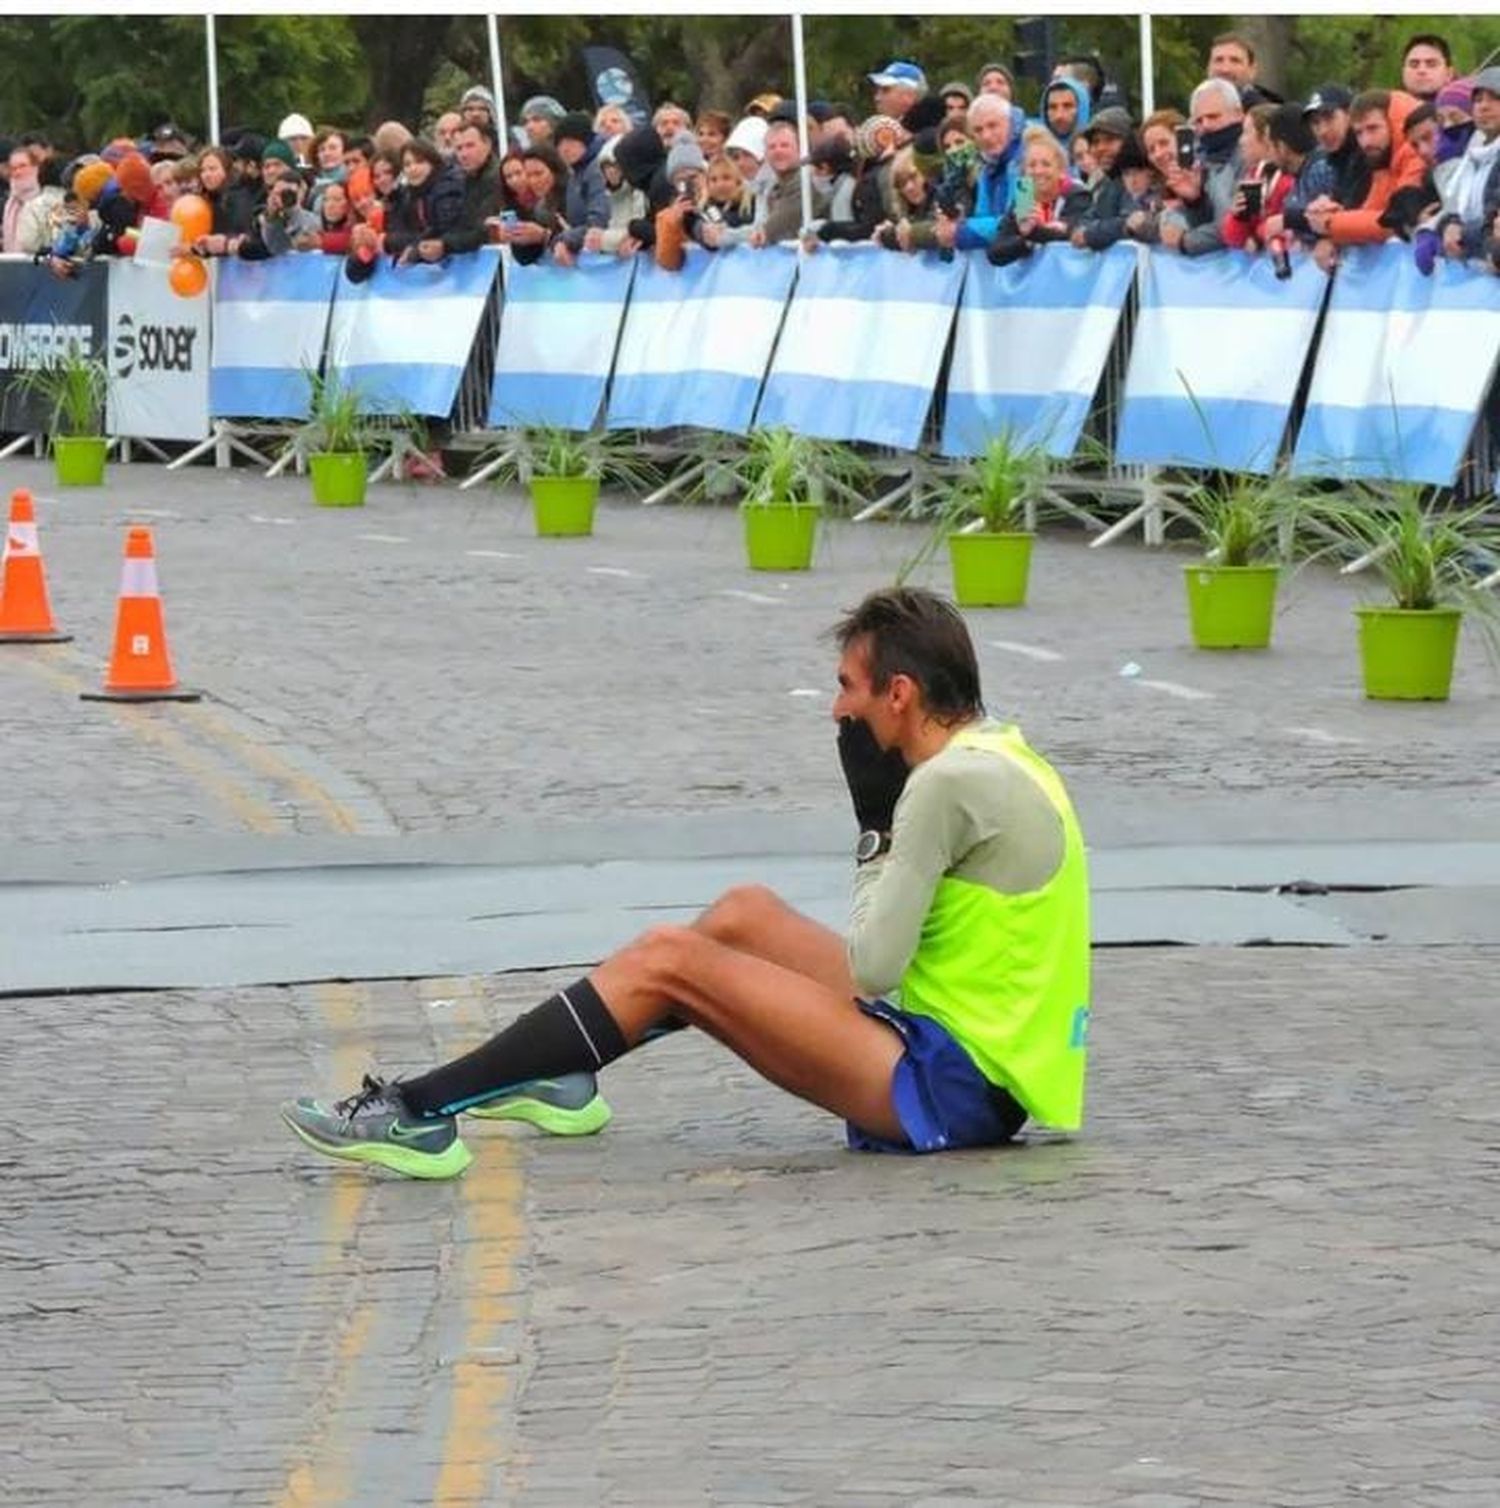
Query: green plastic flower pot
{"x": 990, "y": 570}
{"x": 338, "y": 479}
{"x": 780, "y": 536}
{"x": 1407, "y": 653}
{"x": 564, "y": 505}
{"x": 1231, "y": 607}
{"x": 79, "y": 460}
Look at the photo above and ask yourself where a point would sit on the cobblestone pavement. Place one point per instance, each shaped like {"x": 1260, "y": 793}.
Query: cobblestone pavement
{"x": 1264, "y": 1275}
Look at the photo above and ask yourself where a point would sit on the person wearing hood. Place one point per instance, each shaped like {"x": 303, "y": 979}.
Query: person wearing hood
{"x": 297, "y": 132}
{"x": 1377, "y": 119}
{"x": 1206, "y": 191}
{"x": 1471, "y": 196}
{"x": 1454, "y": 105}
{"x": 588, "y": 202}
{"x": 1066, "y": 109}
{"x": 642, "y": 159}
{"x": 1059, "y": 203}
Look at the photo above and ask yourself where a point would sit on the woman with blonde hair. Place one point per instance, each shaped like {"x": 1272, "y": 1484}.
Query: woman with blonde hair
{"x": 1047, "y": 203}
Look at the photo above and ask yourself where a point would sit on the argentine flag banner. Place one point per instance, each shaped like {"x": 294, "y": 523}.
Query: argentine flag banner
{"x": 1031, "y": 346}
{"x": 270, "y": 320}
{"x": 403, "y": 337}
{"x": 558, "y": 331}
{"x": 1402, "y": 370}
{"x": 1220, "y": 343}
{"x": 862, "y": 345}
{"x": 697, "y": 341}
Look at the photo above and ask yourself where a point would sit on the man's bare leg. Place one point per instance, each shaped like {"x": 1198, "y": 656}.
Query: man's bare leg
{"x": 753, "y": 919}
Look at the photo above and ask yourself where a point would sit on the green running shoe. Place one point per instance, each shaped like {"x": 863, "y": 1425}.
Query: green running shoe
{"x": 569, "y": 1105}
{"x": 376, "y": 1126}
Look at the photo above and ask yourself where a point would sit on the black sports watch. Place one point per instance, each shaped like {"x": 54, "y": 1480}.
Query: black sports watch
{"x": 871, "y": 845}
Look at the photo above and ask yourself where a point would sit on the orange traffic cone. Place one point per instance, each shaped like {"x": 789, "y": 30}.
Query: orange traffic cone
{"x": 25, "y": 613}
{"x": 140, "y": 669}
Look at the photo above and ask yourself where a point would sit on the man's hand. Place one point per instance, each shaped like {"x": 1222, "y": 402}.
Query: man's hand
{"x": 875, "y": 776}
{"x": 1326, "y": 254}
{"x": 562, "y": 255}
{"x": 1172, "y": 232}
{"x": 628, "y": 247}
{"x": 1185, "y": 184}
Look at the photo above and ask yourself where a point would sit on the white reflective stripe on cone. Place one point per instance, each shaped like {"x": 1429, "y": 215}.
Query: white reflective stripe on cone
{"x": 138, "y": 579}
{"x": 21, "y": 540}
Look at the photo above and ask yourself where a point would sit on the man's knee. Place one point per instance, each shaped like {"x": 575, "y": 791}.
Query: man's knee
{"x": 741, "y": 913}
{"x": 658, "y": 954}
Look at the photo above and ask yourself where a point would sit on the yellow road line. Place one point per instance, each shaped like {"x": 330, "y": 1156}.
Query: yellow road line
{"x": 484, "y": 1372}
{"x": 322, "y": 1476}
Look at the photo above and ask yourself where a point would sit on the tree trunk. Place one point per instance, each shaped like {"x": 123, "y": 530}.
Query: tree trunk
{"x": 402, "y": 52}
{"x": 1272, "y": 37}
{"x": 730, "y": 73}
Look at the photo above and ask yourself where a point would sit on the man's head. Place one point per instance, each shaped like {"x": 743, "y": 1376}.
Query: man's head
{"x": 445, "y": 129}
{"x": 477, "y": 107}
{"x": 1231, "y": 56}
{"x": 670, "y": 121}
{"x": 782, "y": 149}
{"x": 471, "y": 148}
{"x": 572, "y": 137}
{"x": 1291, "y": 136}
{"x": 995, "y": 78}
{"x": 276, "y": 161}
{"x": 1107, "y": 134}
{"x": 905, "y": 659}
{"x": 898, "y": 86}
{"x": 22, "y": 170}
{"x": 956, "y": 97}
{"x": 1327, "y": 111}
{"x": 1486, "y": 103}
{"x": 990, "y": 124}
{"x": 539, "y": 115}
{"x": 1422, "y": 134}
{"x": 1426, "y": 64}
{"x": 1369, "y": 118}
{"x": 1060, "y": 107}
{"x": 1215, "y": 104}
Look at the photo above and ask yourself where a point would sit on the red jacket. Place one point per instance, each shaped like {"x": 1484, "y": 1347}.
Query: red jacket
{"x": 1275, "y": 187}
{"x": 1350, "y": 227}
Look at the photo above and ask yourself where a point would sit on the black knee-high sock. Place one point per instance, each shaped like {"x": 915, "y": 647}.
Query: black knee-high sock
{"x": 570, "y": 1033}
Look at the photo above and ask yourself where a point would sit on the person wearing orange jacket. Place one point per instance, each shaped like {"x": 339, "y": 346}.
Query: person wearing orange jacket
{"x": 1377, "y": 118}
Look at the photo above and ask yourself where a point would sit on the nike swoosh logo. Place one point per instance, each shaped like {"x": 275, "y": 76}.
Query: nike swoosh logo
{"x": 410, "y": 1133}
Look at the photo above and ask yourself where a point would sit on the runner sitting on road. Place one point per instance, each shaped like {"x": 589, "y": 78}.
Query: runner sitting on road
{"x": 957, "y": 1008}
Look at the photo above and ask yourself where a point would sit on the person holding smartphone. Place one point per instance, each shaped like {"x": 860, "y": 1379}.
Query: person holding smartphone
{"x": 1205, "y": 191}
{"x": 1262, "y": 191}
{"x": 1047, "y": 203}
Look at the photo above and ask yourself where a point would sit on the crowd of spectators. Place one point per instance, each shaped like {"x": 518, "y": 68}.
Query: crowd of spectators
{"x": 956, "y": 167}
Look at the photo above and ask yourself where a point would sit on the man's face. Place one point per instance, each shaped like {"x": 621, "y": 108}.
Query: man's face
{"x": 1213, "y": 113}
{"x": 475, "y": 113}
{"x": 995, "y": 82}
{"x": 22, "y": 169}
{"x": 445, "y": 129}
{"x": 538, "y": 128}
{"x": 472, "y": 149}
{"x": 1424, "y": 139}
{"x": 1423, "y": 71}
{"x": 1330, "y": 127}
{"x": 781, "y": 149}
{"x": 857, "y": 699}
{"x": 670, "y": 124}
{"x": 271, "y": 168}
{"x": 992, "y": 132}
{"x": 1487, "y": 112}
{"x": 1107, "y": 149}
{"x": 1062, "y": 111}
{"x": 1230, "y": 61}
{"x": 1373, "y": 134}
{"x": 710, "y": 138}
{"x": 571, "y": 150}
{"x": 895, "y": 99}
{"x": 955, "y": 104}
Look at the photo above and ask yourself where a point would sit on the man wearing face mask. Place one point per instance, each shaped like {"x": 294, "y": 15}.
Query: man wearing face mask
{"x": 957, "y": 1008}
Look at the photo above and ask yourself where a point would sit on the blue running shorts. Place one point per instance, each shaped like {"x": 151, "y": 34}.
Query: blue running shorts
{"x": 942, "y": 1100}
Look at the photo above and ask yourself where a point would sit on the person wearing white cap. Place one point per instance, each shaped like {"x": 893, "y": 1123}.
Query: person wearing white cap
{"x": 297, "y": 132}
{"x": 898, "y": 86}
{"x": 746, "y": 146}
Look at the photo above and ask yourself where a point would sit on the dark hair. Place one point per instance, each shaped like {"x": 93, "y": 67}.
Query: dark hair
{"x": 1289, "y": 127}
{"x": 1234, "y": 39}
{"x": 1370, "y": 102}
{"x": 1093, "y": 70}
{"x": 916, "y": 633}
{"x": 361, "y": 144}
{"x": 1428, "y": 39}
{"x": 717, "y": 120}
{"x": 49, "y": 173}
{"x": 419, "y": 146}
{"x": 1424, "y": 112}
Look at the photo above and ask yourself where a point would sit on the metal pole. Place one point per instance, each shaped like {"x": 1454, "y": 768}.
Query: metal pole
{"x": 1148, "y": 68}
{"x": 497, "y": 83}
{"x": 799, "y": 71}
{"x": 211, "y": 37}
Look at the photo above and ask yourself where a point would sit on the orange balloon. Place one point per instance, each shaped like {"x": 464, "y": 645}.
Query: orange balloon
{"x": 193, "y": 216}
{"x": 188, "y": 277}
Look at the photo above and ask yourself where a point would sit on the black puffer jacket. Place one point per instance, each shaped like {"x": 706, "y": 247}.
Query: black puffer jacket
{"x": 642, "y": 158}
{"x": 427, "y": 213}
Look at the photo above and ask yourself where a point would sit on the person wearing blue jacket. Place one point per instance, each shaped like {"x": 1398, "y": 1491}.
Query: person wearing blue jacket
{"x": 995, "y": 125}
{"x": 1066, "y": 110}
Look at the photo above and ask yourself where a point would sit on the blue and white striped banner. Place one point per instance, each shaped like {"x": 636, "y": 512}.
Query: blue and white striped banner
{"x": 1219, "y": 349}
{"x": 270, "y": 321}
{"x": 1031, "y": 346}
{"x": 558, "y": 332}
{"x": 1402, "y": 368}
{"x": 403, "y": 338}
{"x": 862, "y": 345}
{"x": 697, "y": 342}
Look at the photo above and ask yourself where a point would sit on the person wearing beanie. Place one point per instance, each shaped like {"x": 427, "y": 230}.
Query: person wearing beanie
{"x": 1471, "y": 194}
{"x": 996, "y": 78}
{"x": 873, "y": 201}
{"x": 678, "y": 222}
{"x": 297, "y": 132}
{"x": 477, "y": 108}
{"x": 247, "y": 152}
{"x": 277, "y": 161}
{"x": 1110, "y": 201}
{"x": 642, "y": 160}
{"x": 956, "y": 97}
{"x": 1454, "y": 106}
{"x": 586, "y": 204}
{"x": 747, "y": 146}
{"x": 539, "y": 117}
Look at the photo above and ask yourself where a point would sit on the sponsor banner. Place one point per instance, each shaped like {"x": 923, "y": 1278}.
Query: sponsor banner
{"x": 403, "y": 337}
{"x": 862, "y": 345}
{"x": 158, "y": 356}
{"x": 269, "y": 323}
{"x": 558, "y": 330}
{"x": 1403, "y": 366}
{"x": 1218, "y": 353}
{"x": 1031, "y": 346}
{"x": 697, "y": 342}
{"x": 41, "y": 318}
